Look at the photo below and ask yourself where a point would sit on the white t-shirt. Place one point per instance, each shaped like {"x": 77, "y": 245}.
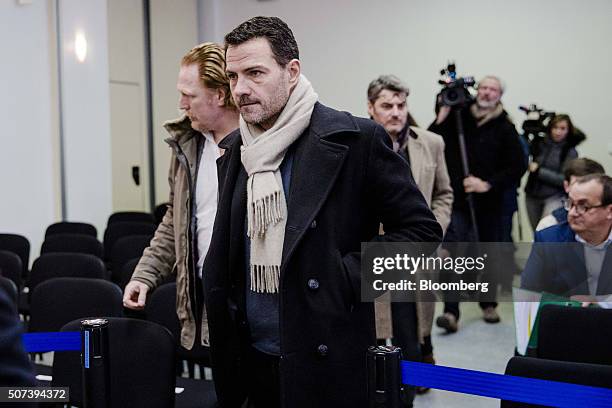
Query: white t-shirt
{"x": 207, "y": 192}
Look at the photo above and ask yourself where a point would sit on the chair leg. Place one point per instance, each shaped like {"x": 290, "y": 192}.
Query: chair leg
{"x": 201, "y": 367}
{"x": 191, "y": 369}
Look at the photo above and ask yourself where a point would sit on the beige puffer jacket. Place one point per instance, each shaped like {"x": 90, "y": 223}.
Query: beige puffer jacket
{"x": 169, "y": 250}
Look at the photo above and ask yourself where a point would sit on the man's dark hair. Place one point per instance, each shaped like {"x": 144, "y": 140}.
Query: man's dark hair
{"x": 606, "y": 183}
{"x": 388, "y": 82}
{"x": 581, "y": 167}
{"x": 276, "y": 31}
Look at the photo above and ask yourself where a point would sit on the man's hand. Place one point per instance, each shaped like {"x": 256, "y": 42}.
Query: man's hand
{"x": 135, "y": 295}
{"x": 533, "y": 167}
{"x": 442, "y": 114}
{"x": 473, "y": 184}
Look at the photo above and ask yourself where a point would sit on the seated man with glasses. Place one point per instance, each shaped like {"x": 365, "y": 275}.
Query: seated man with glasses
{"x": 574, "y": 258}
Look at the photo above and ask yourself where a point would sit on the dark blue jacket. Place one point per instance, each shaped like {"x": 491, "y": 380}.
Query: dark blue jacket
{"x": 556, "y": 264}
{"x": 15, "y": 367}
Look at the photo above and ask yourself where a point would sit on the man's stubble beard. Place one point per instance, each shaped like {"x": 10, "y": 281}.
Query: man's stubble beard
{"x": 271, "y": 109}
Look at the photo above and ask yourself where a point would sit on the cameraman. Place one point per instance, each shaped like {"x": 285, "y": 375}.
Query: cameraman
{"x": 495, "y": 162}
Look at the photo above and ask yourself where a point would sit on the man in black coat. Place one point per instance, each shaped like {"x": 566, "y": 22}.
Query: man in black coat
{"x": 495, "y": 161}
{"x": 301, "y": 186}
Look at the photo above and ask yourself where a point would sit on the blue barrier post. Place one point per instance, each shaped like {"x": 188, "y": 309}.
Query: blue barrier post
{"x": 94, "y": 361}
{"x": 384, "y": 373}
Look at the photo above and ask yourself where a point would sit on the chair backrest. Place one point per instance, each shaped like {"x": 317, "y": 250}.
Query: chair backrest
{"x": 119, "y": 230}
{"x": 10, "y": 267}
{"x": 578, "y": 334}
{"x": 123, "y": 277}
{"x": 161, "y": 309}
{"x": 159, "y": 212}
{"x": 58, "y": 301}
{"x": 76, "y": 243}
{"x": 10, "y": 288}
{"x": 66, "y": 265}
{"x": 142, "y": 365}
{"x": 125, "y": 249}
{"x": 595, "y": 375}
{"x": 65, "y": 227}
{"x": 19, "y": 245}
{"x": 130, "y": 216}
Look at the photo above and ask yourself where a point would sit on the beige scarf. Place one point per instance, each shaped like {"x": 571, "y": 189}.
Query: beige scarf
{"x": 261, "y": 155}
{"x": 482, "y": 116}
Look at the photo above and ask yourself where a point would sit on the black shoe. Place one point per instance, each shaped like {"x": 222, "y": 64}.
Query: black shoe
{"x": 447, "y": 321}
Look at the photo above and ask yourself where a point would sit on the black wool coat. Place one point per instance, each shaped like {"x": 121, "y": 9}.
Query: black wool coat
{"x": 345, "y": 181}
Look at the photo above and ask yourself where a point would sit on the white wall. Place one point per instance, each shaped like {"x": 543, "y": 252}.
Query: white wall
{"x": 555, "y": 53}
{"x": 27, "y": 169}
{"x": 85, "y": 94}
{"x": 174, "y": 31}
{"x": 29, "y": 113}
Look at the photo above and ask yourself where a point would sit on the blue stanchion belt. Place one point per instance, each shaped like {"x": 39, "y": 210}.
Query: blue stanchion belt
{"x": 56, "y": 341}
{"x": 506, "y": 387}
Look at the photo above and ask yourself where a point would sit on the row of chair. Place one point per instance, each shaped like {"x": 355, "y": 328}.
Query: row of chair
{"x": 125, "y": 238}
{"x": 58, "y": 301}
{"x": 21, "y": 246}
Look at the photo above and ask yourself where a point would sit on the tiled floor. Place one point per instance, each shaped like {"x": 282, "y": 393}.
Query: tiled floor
{"x": 476, "y": 346}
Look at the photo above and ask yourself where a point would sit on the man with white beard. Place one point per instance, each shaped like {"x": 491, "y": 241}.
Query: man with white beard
{"x": 495, "y": 163}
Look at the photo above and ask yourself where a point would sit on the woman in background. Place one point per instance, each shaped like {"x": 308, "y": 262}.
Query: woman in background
{"x": 544, "y": 189}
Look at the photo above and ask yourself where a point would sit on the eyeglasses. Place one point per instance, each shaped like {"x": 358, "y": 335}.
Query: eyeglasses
{"x": 580, "y": 208}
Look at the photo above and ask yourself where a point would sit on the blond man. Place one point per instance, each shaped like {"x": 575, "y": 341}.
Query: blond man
{"x": 181, "y": 241}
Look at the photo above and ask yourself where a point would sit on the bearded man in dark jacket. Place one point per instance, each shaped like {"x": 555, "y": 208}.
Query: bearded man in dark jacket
{"x": 495, "y": 162}
{"x": 301, "y": 186}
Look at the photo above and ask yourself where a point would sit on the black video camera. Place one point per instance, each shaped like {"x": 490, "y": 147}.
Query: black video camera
{"x": 456, "y": 90}
{"x": 537, "y": 121}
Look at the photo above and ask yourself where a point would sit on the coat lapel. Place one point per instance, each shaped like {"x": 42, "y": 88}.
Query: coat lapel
{"x": 315, "y": 169}
{"x": 316, "y": 166}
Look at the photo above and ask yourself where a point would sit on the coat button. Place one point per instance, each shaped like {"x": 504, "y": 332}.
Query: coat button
{"x": 322, "y": 350}
{"x": 313, "y": 284}
{"x": 313, "y": 224}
